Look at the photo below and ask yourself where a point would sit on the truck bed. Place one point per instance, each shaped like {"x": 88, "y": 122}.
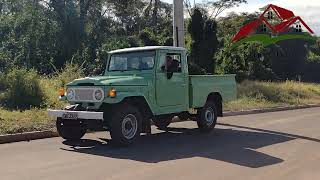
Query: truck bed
{"x": 202, "y": 85}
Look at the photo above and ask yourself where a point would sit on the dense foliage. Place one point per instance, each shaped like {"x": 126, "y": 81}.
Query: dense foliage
{"x": 46, "y": 34}
{"x": 203, "y": 32}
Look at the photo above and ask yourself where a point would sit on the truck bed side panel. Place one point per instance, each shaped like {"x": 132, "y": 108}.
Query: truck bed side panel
{"x": 202, "y": 85}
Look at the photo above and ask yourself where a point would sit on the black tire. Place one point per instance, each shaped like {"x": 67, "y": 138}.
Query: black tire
{"x": 207, "y": 117}
{"x": 162, "y": 123}
{"x": 70, "y": 129}
{"x": 125, "y": 125}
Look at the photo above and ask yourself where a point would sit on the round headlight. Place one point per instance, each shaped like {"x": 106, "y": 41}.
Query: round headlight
{"x": 98, "y": 94}
{"x": 70, "y": 94}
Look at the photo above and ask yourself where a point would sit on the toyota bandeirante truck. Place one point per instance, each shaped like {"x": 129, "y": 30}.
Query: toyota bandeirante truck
{"x": 139, "y": 86}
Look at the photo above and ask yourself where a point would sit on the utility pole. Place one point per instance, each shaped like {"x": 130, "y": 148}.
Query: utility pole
{"x": 178, "y": 23}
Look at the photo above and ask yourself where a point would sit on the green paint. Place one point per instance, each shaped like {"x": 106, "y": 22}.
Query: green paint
{"x": 163, "y": 95}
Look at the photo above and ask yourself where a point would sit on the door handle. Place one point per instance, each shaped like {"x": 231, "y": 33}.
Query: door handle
{"x": 183, "y": 85}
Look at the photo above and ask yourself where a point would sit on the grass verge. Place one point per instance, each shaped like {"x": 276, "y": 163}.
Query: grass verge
{"x": 25, "y": 121}
{"x": 255, "y": 95}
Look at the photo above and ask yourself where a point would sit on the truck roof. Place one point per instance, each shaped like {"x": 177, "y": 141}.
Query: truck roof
{"x": 146, "y": 48}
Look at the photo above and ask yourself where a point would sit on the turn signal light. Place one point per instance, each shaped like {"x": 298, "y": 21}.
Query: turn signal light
{"x": 61, "y": 92}
{"x": 112, "y": 92}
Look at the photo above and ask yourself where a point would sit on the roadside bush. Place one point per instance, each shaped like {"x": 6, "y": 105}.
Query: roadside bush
{"x": 51, "y": 84}
{"x": 69, "y": 73}
{"x": 22, "y": 89}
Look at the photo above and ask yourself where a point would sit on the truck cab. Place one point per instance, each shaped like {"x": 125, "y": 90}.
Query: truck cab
{"x": 140, "y": 86}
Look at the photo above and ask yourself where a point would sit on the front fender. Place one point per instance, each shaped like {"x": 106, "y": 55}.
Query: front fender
{"x": 122, "y": 95}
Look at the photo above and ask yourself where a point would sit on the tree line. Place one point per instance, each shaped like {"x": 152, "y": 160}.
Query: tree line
{"x": 44, "y": 35}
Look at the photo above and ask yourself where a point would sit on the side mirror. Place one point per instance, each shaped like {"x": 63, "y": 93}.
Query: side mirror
{"x": 169, "y": 75}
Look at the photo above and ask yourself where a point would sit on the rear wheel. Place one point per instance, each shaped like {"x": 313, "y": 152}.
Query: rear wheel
{"x": 125, "y": 125}
{"x": 70, "y": 129}
{"x": 162, "y": 123}
{"x": 207, "y": 117}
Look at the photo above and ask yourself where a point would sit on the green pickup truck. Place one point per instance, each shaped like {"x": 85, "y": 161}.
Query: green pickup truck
{"x": 139, "y": 86}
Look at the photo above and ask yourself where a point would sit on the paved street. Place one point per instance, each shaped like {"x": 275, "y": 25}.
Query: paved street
{"x": 280, "y": 145}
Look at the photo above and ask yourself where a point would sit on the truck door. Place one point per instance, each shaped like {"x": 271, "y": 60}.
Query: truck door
{"x": 171, "y": 91}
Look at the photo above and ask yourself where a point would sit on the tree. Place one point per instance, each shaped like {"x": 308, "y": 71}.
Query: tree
{"x": 314, "y": 52}
{"x": 84, "y": 7}
{"x": 158, "y": 16}
{"x": 67, "y": 17}
{"x": 215, "y": 8}
{"x": 152, "y": 9}
{"x": 128, "y": 14}
{"x": 27, "y": 35}
{"x": 247, "y": 61}
{"x": 204, "y": 40}
{"x": 84, "y": 25}
{"x": 229, "y": 25}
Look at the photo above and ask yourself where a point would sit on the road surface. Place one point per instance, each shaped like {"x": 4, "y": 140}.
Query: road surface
{"x": 281, "y": 145}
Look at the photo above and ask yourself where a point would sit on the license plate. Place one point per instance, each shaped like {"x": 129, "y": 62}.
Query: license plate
{"x": 70, "y": 115}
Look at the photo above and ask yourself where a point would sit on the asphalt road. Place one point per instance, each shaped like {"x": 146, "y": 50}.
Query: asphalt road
{"x": 280, "y": 145}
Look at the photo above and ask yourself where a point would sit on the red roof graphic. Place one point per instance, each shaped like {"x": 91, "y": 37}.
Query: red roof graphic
{"x": 286, "y": 16}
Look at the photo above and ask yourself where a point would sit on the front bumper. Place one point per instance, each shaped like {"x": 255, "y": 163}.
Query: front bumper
{"x": 80, "y": 114}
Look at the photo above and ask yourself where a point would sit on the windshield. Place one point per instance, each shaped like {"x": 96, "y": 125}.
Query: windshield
{"x": 132, "y": 61}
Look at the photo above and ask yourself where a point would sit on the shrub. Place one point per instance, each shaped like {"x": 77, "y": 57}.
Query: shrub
{"x": 22, "y": 89}
{"x": 69, "y": 73}
{"x": 51, "y": 84}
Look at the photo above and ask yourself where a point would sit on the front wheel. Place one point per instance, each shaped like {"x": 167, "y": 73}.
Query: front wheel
{"x": 207, "y": 117}
{"x": 70, "y": 129}
{"x": 125, "y": 125}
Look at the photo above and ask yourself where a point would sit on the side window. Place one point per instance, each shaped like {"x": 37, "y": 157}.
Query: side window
{"x": 170, "y": 62}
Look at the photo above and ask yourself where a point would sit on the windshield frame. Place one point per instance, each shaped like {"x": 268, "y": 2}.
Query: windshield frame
{"x": 107, "y": 69}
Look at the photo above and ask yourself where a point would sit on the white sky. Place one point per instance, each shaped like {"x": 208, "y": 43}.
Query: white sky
{"x": 309, "y": 10}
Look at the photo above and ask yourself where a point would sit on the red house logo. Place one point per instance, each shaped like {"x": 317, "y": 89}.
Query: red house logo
{"x": 275, "y": 21}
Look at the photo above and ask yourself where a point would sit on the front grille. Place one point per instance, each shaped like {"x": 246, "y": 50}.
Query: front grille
{"x": 84, "y": 94}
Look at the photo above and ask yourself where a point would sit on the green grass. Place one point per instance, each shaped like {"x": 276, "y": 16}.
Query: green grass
{"x": 25, "y": 121}
{"x": 251, "y": 95}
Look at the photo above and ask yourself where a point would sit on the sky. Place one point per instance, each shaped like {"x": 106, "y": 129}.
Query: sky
{"x": 308, "y": 10}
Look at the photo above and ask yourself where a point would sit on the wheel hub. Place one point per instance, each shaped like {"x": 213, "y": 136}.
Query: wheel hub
{"x": 129, "y": 126}
{"x": 209, "y": 116}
